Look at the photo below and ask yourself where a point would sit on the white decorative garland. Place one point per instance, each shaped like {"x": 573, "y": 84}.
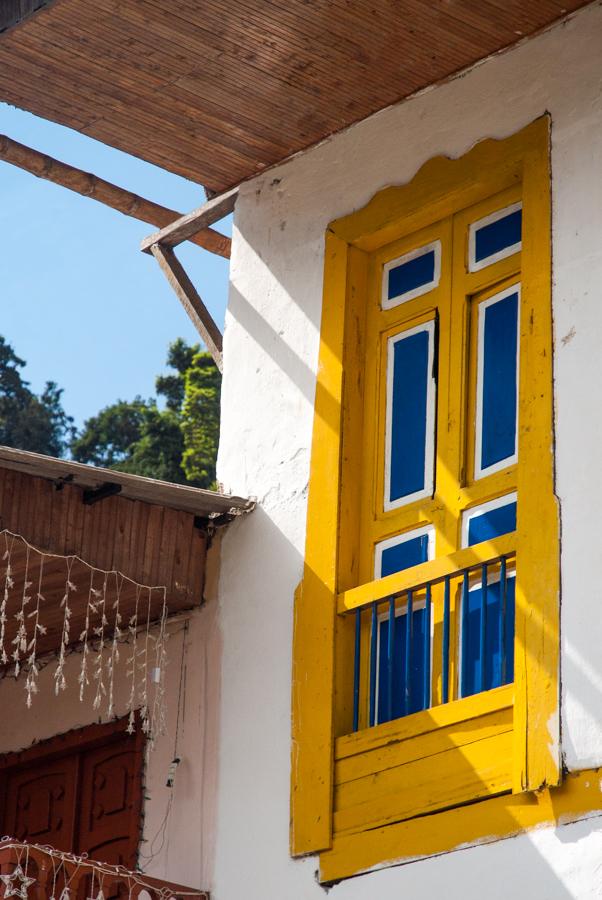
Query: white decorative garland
{"x": 17, "y": 883}
{"x": 99, "y": 640}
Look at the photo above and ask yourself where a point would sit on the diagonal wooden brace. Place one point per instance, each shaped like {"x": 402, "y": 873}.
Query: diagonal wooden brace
{"x": 190, "y": 300}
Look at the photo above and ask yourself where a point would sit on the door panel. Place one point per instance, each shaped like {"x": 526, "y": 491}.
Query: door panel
{"x": 80, "y": 792}
{"x": 109, "y": 804}
{"x": 40, "y": 803}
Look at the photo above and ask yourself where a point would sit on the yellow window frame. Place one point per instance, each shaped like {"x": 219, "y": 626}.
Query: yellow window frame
{"x": 524, "y": 714}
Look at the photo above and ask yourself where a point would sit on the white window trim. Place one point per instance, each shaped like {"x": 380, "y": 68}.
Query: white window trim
{"x": 473, "y": 265}
{"x": 429, "y": 448}
{"x": 387, "y": 302}
{"x": 509, "y": 460}
{"x": 475, "y": 511}
{"x": 402, "y": 538}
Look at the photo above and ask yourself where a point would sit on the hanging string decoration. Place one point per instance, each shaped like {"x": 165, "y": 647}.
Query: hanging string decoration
{"x": 52, "y": 605}
{"x": 117, "y": 637}
{"x": 39, "y": 870}
{"x": 17, "y": 884}
{"x": 8, "y": 585}
{"x": 60, "y": 682}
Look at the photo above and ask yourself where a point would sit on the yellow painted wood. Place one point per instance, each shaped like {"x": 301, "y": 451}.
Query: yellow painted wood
{"x": 409, "y": 727}
{"x": 376, "y": 523}
{"x": 537, "y": 751}
{"x": 313, "y": 648}
{"x": 338, "y": 520}
{"x": 435, "y": 741}
{"x": 579, "y": 796}
{"x": 444, "y": 184}
{"x": 349, "y": 517}
{"x": 419, "y": 575}
{"x": 455, "y": 775}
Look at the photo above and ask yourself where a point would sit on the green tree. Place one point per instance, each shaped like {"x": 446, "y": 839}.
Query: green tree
{"x": 28, "y": 421}
{"x": 178, "y": 443}
{"x": 107, "y": 438}
{"x": 180, "y": 356}
{"x": 200, "y": 419}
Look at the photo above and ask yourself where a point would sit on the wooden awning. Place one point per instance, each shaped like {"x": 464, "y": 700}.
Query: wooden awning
{"x": 218, "y": 91}
{"x": 153, "y": 533}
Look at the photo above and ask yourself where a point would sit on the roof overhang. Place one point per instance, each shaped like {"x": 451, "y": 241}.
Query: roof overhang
{"x": 218, "y": 91}
{"x": 98, "y": 482}
{"x": 131, "y": 538}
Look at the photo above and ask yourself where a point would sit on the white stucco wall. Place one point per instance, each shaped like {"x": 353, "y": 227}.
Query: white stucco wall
{"x": 271, "y": 348}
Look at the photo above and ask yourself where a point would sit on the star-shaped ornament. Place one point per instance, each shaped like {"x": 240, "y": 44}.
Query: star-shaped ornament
{"x": 16, "y": 884}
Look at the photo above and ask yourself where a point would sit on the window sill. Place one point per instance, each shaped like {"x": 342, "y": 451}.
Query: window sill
{"x": 578, "y": 797}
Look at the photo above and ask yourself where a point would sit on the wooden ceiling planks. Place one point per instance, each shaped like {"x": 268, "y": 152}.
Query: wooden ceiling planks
{"x": 218, "y": 91}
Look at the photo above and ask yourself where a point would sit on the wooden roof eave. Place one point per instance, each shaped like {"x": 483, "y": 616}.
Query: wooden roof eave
{"x": 210, "y": 505}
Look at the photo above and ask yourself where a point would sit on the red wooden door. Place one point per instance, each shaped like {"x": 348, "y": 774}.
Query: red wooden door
{"x": 41, "y": 801}
{"x": 80, "y": 792}
{"x": 108, "y": 804}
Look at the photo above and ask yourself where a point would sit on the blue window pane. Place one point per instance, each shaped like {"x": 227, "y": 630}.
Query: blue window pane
{"x": 418, "y": 662}
{"x": 494, "y": 658}
{"x": 408, "y": 276}
{"x": 497, "y": 236}
{"x": 404, "y": 555}
{"x": 492, "y": 523}
{"x": 498, "y": 427}
{"x": 408, "y": 415}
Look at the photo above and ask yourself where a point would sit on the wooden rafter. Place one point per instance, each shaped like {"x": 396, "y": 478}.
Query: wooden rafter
{"x": 126, "y": 202}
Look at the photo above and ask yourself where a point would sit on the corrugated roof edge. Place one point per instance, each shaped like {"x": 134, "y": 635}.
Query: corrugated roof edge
{"x": 199, "y": 502}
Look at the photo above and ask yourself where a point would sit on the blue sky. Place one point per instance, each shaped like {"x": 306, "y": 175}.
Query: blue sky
{"x": 79, "y": 302}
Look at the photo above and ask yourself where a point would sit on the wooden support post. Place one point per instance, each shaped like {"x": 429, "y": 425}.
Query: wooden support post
{"x": 190, "y": 300}
{"x": 184, "y": 228}
{"x": 123, "y": 201}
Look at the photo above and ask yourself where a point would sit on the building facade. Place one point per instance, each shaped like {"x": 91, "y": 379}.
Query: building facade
{"x": 273, "y": 334}
{"x": 289, "y": 708}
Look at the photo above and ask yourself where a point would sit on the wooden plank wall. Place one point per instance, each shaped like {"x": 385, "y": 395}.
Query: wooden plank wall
{"x": 151, "y": 544}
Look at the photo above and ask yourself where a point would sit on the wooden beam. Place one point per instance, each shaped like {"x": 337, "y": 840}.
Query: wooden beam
{"x": 88, "y": 185}
{"x": 190, "y": 300}
{"x": 187, "y": 226}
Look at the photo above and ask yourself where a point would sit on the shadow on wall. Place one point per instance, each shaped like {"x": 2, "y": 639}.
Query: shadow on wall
{"x": 285, "y": 358}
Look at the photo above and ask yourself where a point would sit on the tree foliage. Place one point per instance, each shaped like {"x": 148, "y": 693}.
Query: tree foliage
{"x": 178, "y": 443}
{"x": 200, "y": 418}
{"x": 29, "y": 421}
